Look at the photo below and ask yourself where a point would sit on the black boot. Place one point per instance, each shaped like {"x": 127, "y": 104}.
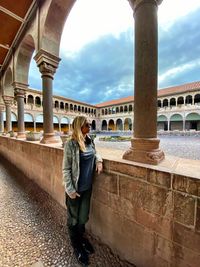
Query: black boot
{"x": 80, "y": 253}
{"x": 84, "y": 241}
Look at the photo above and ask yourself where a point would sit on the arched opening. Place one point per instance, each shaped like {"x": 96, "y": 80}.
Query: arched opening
{"x": 66, "y": 106}
{"x": 56, "y": 123}
{"x": 180, "y": 101}
{"x": 61, "y": 105}
{"x": 119, "y": 125}
{"x": 127, "y": 124}
{"x": 172, "y": 102}
{"x": 111, "y": 125}
{"x": 165, "y": 102}
{"x": 38, "y": 101}
{"x": 28, "y": 122}
{"x": 159, "y": 103}
{"x": 176, "y": 122}
{"x": 8, "y": 88}
{"x": 30, "y": 100}
{"x": 93, "y": 126}
{"x": 39, "y": 122}
{"x": 130, "y": 108}
{"x": 192, "y": 121}
{"x": 188, "y": 99}
{"x": 117, "y": 109}
{"x": 197, "y": 99}
{"x": 102, "y": 112}
{"x": 65, "y": 125}
{"x": 104, "y": 125}
{"x": 162, "y": 123}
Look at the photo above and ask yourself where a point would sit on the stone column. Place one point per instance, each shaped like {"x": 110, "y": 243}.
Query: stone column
{"x": 145, "y": 144}
{"x": 47, "y": 64}
{"x": 20, "y": 91}
{"x": 8, "y": 100}
{"x": 1, "y": 118}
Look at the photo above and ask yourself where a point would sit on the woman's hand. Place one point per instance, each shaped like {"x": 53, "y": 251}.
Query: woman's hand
{"x": 99, "y": 167}
{"x": 73, "y": 195}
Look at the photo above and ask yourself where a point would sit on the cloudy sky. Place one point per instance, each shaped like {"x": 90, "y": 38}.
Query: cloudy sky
{"x": 97, "y": 49}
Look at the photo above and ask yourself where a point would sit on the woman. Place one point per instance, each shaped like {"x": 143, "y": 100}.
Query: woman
{"x": 79, "y": 162}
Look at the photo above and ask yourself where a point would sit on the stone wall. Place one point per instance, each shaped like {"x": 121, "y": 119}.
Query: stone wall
{"x": 149, "y": 217}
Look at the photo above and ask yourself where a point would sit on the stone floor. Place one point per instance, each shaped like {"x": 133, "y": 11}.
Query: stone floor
{"x": 179, "y": 146}
{"x": 33, "y": 227}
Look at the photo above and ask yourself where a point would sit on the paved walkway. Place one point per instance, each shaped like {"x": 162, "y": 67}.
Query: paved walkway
{"x": 33, "y": 227}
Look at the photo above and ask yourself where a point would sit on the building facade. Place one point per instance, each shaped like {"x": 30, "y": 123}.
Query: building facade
{"x": 178, "y": 109}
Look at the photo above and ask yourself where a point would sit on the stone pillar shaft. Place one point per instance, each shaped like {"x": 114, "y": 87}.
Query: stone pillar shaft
{"x": 145, "y": 145}
{"x": 8, "y": 100}
{"x": 1, "y": 119}
{"x": 47, "y": 64}
{"x": 20, "y": 90}
{"x": 8, "y": 118}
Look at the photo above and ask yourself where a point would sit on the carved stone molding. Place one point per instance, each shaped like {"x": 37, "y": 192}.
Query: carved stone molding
{"x": 136, "y": 3}
{"x": 47, "y": 63}
{"x": 145, "y": 150}
{"x": 8, "y": 100}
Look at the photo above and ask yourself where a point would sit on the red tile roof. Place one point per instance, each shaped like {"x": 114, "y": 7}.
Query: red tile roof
{"x": 188, "y": 87}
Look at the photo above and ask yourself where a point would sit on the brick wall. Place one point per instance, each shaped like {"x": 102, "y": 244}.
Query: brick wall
{"x": 149, "y": 217}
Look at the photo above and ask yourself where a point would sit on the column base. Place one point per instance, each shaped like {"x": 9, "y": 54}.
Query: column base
{"x": 21, "y": 135}
{"x": 145, "y": 150}
{"x": 50, "y": 138}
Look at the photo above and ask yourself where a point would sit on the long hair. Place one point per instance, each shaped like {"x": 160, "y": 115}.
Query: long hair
{"x": 77, "y": 135}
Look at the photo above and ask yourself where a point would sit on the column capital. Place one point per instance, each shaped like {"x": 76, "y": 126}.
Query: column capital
{"x": 20, "y": 89}
{"x": 135, "y": 3}
{"x": 47, "y": 63}
{"x": 1, "y": 107}
{"x": 8, "y": 100}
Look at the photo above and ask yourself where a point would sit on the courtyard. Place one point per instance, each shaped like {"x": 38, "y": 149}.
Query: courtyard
{"x": 187, "y": 147}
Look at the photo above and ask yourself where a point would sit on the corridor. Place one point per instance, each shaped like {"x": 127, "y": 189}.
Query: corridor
{"x": 33, "y": 227}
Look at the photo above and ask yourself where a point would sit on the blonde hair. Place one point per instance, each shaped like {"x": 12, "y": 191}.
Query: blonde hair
{"x": 77, "y": 135}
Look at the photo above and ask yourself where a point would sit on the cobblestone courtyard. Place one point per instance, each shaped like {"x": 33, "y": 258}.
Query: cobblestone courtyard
{"x": 179, "y": 146}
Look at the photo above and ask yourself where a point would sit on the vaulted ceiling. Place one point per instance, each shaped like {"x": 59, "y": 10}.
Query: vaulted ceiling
{"x": 14, "y": 15}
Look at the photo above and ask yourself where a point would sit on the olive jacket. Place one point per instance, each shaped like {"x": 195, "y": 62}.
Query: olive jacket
{"x": 71, "y": 165}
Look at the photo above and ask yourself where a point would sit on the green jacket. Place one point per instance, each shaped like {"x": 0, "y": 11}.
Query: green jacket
{"x": 71, "y": 165}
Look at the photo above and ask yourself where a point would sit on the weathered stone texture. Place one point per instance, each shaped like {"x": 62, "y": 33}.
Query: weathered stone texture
{"x": 184, "y": 209}
{"x": 134, "y": 210}
{"x": 128, "y": 169}
{"x": 159, "y": 178}
{"x": 186, "y": 184}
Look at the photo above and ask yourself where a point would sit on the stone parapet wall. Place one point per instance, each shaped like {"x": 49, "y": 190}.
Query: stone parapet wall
{"x": 148, "y": 216}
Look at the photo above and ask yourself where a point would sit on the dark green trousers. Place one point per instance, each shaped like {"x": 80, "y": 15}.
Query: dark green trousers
{"x": 78, "y": 214}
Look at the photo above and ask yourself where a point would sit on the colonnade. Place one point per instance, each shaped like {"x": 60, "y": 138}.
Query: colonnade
{"x": 144, "y": 144}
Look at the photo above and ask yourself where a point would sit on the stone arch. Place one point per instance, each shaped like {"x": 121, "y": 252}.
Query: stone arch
{"x": 111, "y": 125}
{"x": 54, "y": 21}
{"x": 162, "y": 123}
{"x": 38, "y": 101}
{"x": 192, "y": 121}
{"x": 65, "y": 122}
{"x": 93, "y": 126}
{"x": 165, "y": 102}
{"x": 197, "y": 99}
{"x": 8, "y": 80}
{"x": 176, "y": 122}
{"x": 104, "y": 125}
{"x": 28, "y": 122}
{"x": 128, "y": 124}
{"x": 23, "y": 59}
{"x": 173, "y": 101}
{"x": 188, "y": 99}
{"x": 119, "y": 125}
{"x": 180, "y": 100}
{"x": 30, "y": 99}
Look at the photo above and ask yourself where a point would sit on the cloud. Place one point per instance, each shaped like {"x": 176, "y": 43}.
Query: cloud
{"x": 179, "y": 48}
{"x": 103, "y": 69}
